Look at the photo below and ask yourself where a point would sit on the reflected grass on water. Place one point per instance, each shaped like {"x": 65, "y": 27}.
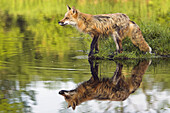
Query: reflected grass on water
{"x": 33, "y": 88}
{"x": 31, "y": 26}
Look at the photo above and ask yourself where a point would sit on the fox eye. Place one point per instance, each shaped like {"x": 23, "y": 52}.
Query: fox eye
{"x": 67, "y": 18}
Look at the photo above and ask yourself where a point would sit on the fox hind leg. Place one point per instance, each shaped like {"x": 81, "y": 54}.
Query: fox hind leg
{"x": 118, "y": 42}
{"x": 120, "y": 50}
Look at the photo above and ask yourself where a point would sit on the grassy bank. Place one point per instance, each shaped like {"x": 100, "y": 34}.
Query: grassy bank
{"x": 157, "y": 36}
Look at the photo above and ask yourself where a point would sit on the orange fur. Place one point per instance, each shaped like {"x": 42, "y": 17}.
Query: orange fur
{"x": 117, "y": 25}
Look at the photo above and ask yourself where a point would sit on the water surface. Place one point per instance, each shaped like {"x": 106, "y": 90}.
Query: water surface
{"x": 33, "y": 86}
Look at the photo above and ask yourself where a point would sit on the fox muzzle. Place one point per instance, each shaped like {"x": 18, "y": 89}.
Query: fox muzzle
{"x": 61, "y": 23}
{"x": 62, "y": 92}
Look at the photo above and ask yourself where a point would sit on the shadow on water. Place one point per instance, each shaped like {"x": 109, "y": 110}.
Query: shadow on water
{"x": 116, "y": 88}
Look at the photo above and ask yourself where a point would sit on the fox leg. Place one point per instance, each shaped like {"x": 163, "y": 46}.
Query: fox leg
{"x": 138, "y": 40}
{"x": 118, "y": 42}
{"x": 97, "y": 47}
{"x": 120, "y": 45}
{"x": 93, "y": 44}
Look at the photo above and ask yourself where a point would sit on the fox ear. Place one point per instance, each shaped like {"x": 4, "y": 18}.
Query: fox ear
{"x": 74, "y": 10}
{"x": 68, "y": 8}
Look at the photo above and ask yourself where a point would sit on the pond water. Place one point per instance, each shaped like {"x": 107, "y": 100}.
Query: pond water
{"x": 31, "y": 84}
{"x": 40, "y": 62}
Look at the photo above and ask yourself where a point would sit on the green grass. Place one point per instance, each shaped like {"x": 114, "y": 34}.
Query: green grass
{"x": 157, "y": 36}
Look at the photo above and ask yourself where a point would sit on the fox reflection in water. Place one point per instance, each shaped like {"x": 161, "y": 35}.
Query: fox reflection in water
{"x": 117, "y": 88}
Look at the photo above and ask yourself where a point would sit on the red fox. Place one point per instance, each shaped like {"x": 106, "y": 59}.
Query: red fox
{"x": 117, "y": 25}
{"x": 117, "y": 88}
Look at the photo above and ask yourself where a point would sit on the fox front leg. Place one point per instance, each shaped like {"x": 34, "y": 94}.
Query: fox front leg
{"x": 93, "y": 44}
{"x": 97, "y": 47}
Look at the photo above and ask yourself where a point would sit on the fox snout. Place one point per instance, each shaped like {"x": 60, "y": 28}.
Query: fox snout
{"x": 62, "y": 92}
{"x": 61, "y": 23}
{"x": 67, "y": 92}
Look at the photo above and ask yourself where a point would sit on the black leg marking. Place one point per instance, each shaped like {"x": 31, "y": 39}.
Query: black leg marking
{"x": 119, "y": 42}
{"x": 94, "y": 69}
{"x": 93, "y": 43}
{"x": 97, "y": 47}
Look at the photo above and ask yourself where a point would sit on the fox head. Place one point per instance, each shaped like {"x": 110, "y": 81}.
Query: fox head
{"x": 70, "y": 97}
{"x": 70, "y": 17}
{"x": 76, "y": 96}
